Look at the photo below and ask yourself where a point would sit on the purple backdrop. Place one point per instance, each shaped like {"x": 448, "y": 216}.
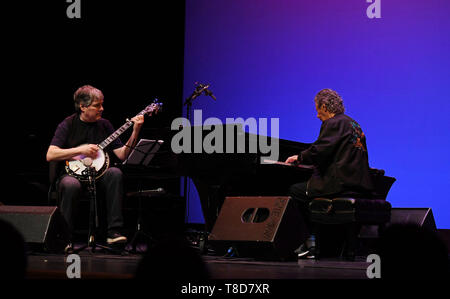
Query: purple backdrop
{"x": 267, "y": 58}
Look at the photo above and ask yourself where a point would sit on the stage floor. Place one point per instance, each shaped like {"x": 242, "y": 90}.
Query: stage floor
{"x": 109, "y": 266}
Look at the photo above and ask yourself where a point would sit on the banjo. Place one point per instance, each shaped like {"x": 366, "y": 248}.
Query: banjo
{"x": 78, "y": 166}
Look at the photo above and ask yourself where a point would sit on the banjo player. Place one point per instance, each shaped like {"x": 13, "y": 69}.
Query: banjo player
{"x": 80, "y": 135}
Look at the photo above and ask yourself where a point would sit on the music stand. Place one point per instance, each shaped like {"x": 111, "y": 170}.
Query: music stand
{"x": 143, "y": 152}
{"x": 142, "y": 155}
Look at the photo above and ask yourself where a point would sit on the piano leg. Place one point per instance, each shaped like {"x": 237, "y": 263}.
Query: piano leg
{"x": 211, "y": 199}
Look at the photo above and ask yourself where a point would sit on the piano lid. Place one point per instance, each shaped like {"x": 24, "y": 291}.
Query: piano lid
{"x": 229, "y": 141}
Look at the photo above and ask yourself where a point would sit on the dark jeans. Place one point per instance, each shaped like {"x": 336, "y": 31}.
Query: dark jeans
{"x": 110, "y": 185}
{"x": 298, "y": 193}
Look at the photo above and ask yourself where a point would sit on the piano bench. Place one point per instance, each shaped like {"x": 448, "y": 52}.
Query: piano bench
{"x": 347, "y": 214}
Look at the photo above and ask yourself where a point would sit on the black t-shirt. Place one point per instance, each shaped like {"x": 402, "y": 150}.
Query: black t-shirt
{"x": 72, "y": 132}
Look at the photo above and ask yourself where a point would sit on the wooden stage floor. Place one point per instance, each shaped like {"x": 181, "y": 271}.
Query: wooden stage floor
{"x": 109, "y": 266}
{"x": 227, "y": 275}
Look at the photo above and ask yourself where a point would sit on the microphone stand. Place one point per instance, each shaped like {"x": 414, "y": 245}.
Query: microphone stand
{"x": 140, "y": 194}
{"x": 93, "y": 196}
{"x": 90, "y": 172}
{"x": 188, "y": 102}
{"x": 199, "y": 90}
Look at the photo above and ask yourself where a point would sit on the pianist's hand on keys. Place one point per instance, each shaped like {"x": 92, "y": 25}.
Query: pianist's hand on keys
{"x": 291, "y": 159}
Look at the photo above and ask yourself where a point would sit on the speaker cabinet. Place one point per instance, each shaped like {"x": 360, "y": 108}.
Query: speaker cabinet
{"x": 268, "y": 228}
{"x": 42, "y": 227}
{"x": 422, "y": 217}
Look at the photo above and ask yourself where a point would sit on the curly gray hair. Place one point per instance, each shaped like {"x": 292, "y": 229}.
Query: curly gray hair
{"x": 85, "y": 95}
{"x": 331, "y": 99}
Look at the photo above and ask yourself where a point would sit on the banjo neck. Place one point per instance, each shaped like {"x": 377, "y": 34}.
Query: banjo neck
{"x": 118, "y": 132}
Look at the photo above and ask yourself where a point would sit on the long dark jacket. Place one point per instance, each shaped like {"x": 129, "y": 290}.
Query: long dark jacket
{"x": 341, "y": 159}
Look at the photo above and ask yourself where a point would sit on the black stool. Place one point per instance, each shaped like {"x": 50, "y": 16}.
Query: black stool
{"x": 352, "y": 210}
{"x": 351, "y": 214}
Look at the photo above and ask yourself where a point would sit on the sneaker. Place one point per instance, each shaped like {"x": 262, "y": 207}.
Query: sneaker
{"x": 115, "y": 238}
{"x": 231, "y": 252}
{"x": 68, "y": 249}
{"x": 304, "y": 252}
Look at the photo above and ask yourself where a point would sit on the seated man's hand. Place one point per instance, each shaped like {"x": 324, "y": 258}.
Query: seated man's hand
{"x": 292, "y": 159}
{"x": 89, "y": 150}
{"x": 138, "y": 122}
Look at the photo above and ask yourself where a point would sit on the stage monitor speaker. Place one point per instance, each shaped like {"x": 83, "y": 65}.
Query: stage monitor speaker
{"x": 268, "y": 228}
{"x": 422, "y": 217}
{"x": 42, "y": 227}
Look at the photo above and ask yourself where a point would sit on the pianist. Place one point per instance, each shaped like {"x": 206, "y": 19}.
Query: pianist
{"x": 340, "y": 160}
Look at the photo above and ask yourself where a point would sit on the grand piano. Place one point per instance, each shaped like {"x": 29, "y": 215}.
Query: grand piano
{"x": 241, "y": 172}
{"x": 237, "y": 173}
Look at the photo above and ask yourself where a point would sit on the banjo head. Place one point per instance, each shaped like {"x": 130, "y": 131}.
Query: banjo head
{"x": 75, "y": 167}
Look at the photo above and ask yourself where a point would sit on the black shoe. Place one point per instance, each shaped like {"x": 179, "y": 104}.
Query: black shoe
{"x": 306, "y": 253}
{"x": 115, "y": 237}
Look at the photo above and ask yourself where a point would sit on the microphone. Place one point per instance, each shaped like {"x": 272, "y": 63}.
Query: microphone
{"x": 203, "y": 88}
{"x": 199, "y": 90}
{"x": 209, "y": 93}
{"x": 89, "y": 171}
{"x": 87, "y": 162}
